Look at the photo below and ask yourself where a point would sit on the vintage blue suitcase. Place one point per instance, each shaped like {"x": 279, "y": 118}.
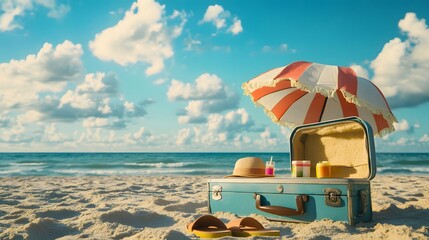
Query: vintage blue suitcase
{"x": 347, "y": 144}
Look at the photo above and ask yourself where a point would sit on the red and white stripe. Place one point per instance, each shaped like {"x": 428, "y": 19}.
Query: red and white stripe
{"x": 305, "y": 92}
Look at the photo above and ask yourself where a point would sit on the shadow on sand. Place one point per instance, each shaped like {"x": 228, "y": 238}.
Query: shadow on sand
{"x": 410, "y": 216}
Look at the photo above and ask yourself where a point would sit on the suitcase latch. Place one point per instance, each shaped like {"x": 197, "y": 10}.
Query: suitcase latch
{"x": 332, "y": 197}
{"x": 363, "y": 202}
{"x": 217, "y": 193}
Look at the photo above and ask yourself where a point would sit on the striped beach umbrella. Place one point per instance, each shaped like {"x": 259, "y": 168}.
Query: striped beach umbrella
{"x": 305, "y": 92}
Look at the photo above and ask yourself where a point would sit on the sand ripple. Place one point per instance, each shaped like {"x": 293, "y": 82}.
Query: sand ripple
{"x": 160, "y": 207}
{"x": 46, "y": 228}
{"x": 140, "y": 219}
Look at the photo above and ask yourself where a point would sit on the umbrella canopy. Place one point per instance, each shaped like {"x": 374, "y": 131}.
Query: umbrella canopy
{"x": 305, "y": 92}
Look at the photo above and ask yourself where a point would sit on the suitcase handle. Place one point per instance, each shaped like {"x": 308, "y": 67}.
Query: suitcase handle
{"x": 282, "y": 211}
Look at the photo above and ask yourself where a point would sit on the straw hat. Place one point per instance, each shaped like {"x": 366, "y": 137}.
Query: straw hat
{"x": 251, "y": 167}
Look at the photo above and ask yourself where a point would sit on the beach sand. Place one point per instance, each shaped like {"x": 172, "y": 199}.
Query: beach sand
{"x": 133, "y": 207}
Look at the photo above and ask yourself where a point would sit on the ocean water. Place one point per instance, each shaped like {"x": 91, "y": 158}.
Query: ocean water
{"x": 170, "y": 164}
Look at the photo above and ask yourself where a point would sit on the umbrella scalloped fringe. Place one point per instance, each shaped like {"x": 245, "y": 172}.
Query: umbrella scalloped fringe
{"x": 353, "y": 99}
{"x": 349, "y": 98}
{"x": 275, "y": 119}
{"x": 247, "y": 86}
{"x": 290, "y": 125}
{"x": 385, "y": 131}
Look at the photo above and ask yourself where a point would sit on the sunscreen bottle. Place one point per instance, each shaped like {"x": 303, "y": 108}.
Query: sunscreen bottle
{"x": 323, "y": 170}
{"x": 306, "y": 164}
{"x": 297, "y": 169}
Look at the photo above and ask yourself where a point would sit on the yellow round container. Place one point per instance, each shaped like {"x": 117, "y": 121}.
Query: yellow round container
{"x": 323, "y": 169}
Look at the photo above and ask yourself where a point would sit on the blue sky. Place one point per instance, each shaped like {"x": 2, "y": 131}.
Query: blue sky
{"x": 166, "y": 75}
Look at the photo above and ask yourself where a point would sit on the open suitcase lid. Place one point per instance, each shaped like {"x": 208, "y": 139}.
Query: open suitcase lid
{"x": 347, "y": 144}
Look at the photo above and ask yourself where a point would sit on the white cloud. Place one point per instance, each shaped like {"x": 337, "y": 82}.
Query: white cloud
{"x": 47, "y": 71}
{"x": 242, "y": 141}
{"x": 97, "y": 96}
{"x": 178, "y": 29}
{"x": 282, "y": 48}
{"x": 159, "y": 81}
{"x": 397, "y": 142}
{"x": 10, "y": 12}
{"x": 50, "y": 134}
{"x": 175, "y": 14}
{"x": 184, "y": 136}
{"x": 226, "y": 49}
{"x": 140, "y": 134}
{"x": 12, "y": 9}
{"x": 111, "y": 140}
{"x": 59, "y": 12}
{"x": 14, "y": 133}
{"x": 192, "y": 44}
{"x": 43, "y": 88}
{"x": 402, "y": 125}
{"x": 143, "y": 136}
{"x": 207, "y": 95}
{"x": 400, "y": 69}
{"x": 266, "y": 49}
{"x": 179, "y": 90}
{"x": 267, "y": 139}
{"x": 220, "y": 18}
{"x": 119, "y": 11}
{"x": 236, "y": 27}
{"x": 231, "y": 130}
{"x": 220, "y": 130}
{"x": 402, "y": 141}
{"x": 5, "y": 121}
{"x": 76, "y": 100}
{"x": 93, "y": 83}
{"x": 30, "y": 117}
{"x": 230, "y": 124}
{"x": 104, "y": 107}
{"x": 98, "y": 137}
{"x": 195, "y": 111}
{"x": 286, "y": 132}
{"x": 129, "y": 106}
{"x": 360, "y": 71}
{"x": 215, "y": 14}
{"x": 424, "y": 138}
{"x": 143, "y": 35}
{"x": 91, "y": 91}
{"x": 207, "y": 86}
{"x": 94, "y": 122}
